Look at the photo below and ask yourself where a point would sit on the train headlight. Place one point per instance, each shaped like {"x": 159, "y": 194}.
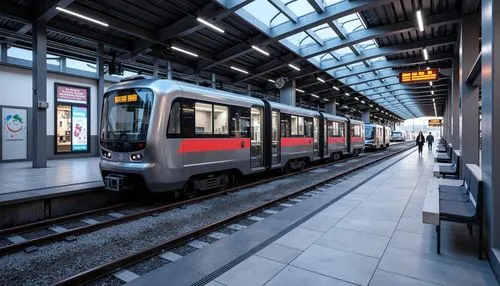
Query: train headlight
{"x": 106, "y": 154}
{"x": 136, "y": 157}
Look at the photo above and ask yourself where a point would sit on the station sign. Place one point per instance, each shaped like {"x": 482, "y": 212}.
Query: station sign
{"x": 435, "y": 122}
{"x": 419, "y": 76}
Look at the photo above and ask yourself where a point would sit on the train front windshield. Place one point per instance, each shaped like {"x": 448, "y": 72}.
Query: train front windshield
{"x": 369, "y": 132}
{"x": 126, "y": 115}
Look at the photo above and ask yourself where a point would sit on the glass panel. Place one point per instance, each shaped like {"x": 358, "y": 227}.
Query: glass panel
{"x": 325, "y": 32}
{"x": 256, "y": 149}
{"x": 368, "y": 45}
{"x": 294, "y": 125}
{"x": 285, "y": 125}
{"x": 351, "y": 23}
{"x": 316, "y": 136}
{"x": 203, "y": 118}
{"x": 79, "y": 65}
{"x": 301, "y": 126}
{"x": 377, "y": 59}
{"x": 53, "y": 60}
{"x": 332, "y": 2}
{"x": 275, "y": 135}
{"x": 79, "y": 128}
{"x": 300, "y": 39}
{"x": 344, "y": 51}
{"x": 240, "y": 122}
{"x": 308, "y": 127}
{"x": 263, "y": 11}
{"x": 63, "y": 128}
{"x": 174, "y": 123}
{"x": 19, "y": 53}
{"x": 330, "y": 128}
{"x": 220, "y": 119}
{"x": 369, "y": 132}
{"x": 126, "y": 115}
{"x": 299, "y": 7}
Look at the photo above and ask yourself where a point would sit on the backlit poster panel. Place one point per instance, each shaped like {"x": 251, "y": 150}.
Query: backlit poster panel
{"x": 14, "y": 134}
{"x": 79, "y": 130}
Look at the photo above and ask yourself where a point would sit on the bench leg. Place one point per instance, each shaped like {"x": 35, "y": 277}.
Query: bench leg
{"x": 438, "y": 230}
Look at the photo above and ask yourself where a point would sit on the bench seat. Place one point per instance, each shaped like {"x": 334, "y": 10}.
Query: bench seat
{"x": 430, "y": 212}
{"x": 457, "y": 210}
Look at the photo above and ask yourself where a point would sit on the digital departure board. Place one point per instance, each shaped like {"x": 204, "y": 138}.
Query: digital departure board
{"x": 419, "y": 76}
{"x": 125, "y": 98}
{"x": 435, "y": 122}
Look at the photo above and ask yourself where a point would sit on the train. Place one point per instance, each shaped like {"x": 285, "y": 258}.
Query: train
{"x": 377, "y": 136}
{"x": 162, "y": 135}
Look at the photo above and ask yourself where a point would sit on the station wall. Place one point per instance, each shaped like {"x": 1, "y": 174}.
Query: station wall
{"x": 16, "y": 91}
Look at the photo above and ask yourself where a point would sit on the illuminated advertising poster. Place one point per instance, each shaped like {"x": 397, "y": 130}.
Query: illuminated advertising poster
{"x": 71, "y": 94}
{"x": 79, "y": 130}
{"x": 14, "y": 134}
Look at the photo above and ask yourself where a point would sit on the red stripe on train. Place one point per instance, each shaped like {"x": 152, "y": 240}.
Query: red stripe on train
{"x": 357, "y": 139}
{"x": 336, "y": 140}
{"x": 194, "y": 145}
{"x": 295, "y": 141}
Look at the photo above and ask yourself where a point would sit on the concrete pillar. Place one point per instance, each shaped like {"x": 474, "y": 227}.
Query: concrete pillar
{"x": 100, "y": 88}
{"x": 287, "y": 93}
{"x": 331, "y": 107}
{"x": 3, "y": 52}
{"x": 469, "y": 50}
{"x": 155, "y": 68}
{"x": 365, "y": 116}
{"x": 214, "y": 83}
{"x": 455, "y": 98}
{"x": 39, "y": 94}
{"x": 169, "y": 70}
{"x": 490, "y": 127}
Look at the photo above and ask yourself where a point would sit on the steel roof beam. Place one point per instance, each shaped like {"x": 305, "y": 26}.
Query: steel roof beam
{"x": 285, "y": 10}
{"x": 46, "y": 10}
{"x": 317, "y": 5}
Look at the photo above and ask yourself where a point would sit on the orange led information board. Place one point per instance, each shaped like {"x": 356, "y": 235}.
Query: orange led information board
{"x": 435, "y": 122}
{"x": 418, "y": 76}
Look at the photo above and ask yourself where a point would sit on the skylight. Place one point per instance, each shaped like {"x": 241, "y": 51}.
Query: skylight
{"x": 344, "y": 51}
{"x": 265, "y": 12}
{"x": 300, "y": 40}
{"x": 325, "y": 32}
{"x": 299, "y": 7}
{"x": 351, "y": 23}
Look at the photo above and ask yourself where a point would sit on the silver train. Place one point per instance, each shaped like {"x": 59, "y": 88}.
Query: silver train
{"x": 377, "y": 136}
{"x": 164, "y": 135}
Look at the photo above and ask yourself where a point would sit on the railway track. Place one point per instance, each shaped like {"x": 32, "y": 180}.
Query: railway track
{"x": 55, "y": 229}
{"x": 210, "y": 230}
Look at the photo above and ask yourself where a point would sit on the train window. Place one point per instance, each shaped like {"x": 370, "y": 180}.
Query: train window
{"x": 285, "y": 125}
{"x": 341, "y": 129}
{"x": 308, "y": 126}
{"x": 330, "y": 128}
{"x": 294, "y": 124}
{"x": 203, "y": 118}
{"x": 187, "y": 118}
{"x": 221, "y": 119}
{"x": 240, "y": 122}
{"x": 301, "y": 125}
{"x": 174, "y": 122}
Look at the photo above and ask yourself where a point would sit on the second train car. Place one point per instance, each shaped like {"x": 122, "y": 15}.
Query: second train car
{"x": 167, "y": 135}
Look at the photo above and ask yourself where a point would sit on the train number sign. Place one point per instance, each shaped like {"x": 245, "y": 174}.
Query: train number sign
{"x": 419, "y": 76}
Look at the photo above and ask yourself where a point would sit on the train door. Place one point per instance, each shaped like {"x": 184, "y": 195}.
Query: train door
{"x": 256, "y": 137}
{"x": 325, "y": 138}
{"x": 276, "y": 137}
{"x": 316, "y": 137}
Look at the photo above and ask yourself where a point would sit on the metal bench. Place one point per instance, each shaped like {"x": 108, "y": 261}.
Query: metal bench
{"x": 450, "y": 169}
{"x": 455, "y": 200}
{"x": 445, "y": 157}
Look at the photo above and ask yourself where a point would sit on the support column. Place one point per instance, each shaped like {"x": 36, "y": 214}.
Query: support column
{"x": 287, "y": 93}
{"x": 169, "y": 70}
{"x": 100, "y": 90}
{"x": 214, "y": 83}
{"x": 39, "y": 95}
{"x": 249, "y": 90}
{"x": 331, "y": 107}
{"x": 62, "y": 61}
{"x": 455, "y": 95}
{"x": 3, "y": 52}
{"x": 490, "y": 127}
{"x": 469, "y": 50}
{"x": 155, "y": 68}
{"x": 365, "y": 116}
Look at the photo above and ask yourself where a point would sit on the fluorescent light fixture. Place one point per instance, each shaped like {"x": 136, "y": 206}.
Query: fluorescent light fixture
{"x": 238, "y": 69}
{"x": 420, "y": 21}
{"x": 356, "y": 98}
{"x": 184, "y": 51}
{"x": 205, "y": 22}
{"x": 378, "y": 108}
{"x": 428, "y": 68}
{"x": 371, "y": 105}
{"x": 82, "y": 16}
{"x": 336, "y": 88}
{"x": 300, "y": 90}
{"x": 426, "y": 55}
{"x": 430, "y": 83}
{"x": 320, "y": 79}
{"x": 347, "y": 94}
{"x": 432, "y": 92}
{"x": 271, "y": 80}
{"x": 362, "y": 102}
{"x": 326, "y": 100}
{"x": 433, "y": 100}
{"x": 336, "y": 103}
{"x": 314, "y": 95}
{"x": 294, "y": 67}
{"x": 260, "y": 50}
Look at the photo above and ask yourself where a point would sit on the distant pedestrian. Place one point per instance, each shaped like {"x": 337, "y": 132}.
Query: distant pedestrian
{"x": 430, "y": 140}
{"x": 420, "y": 142}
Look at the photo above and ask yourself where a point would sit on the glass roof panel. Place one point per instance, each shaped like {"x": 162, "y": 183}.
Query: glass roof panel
{"x": 300, "y": 39}
{"x": 325, "y": 32}
{"x": 351, "y": 23}
{"x": 332, "y": 2}
{"x": 377, "y": 59}
{"x": 355, "y": 65}
{"x": 367, "y": 45}
{"x": 265, "y": 12}
{"x": 344, "y": 51}
{"x": 299, "y": 7}
{"x": 323, "y": 57}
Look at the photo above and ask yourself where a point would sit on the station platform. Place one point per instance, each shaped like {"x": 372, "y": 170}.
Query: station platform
{"x": 20, "y": 181}
{"x": 370, "y": 234}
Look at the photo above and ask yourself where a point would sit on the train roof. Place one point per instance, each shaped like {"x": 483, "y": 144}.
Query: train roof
{"x": 357, "y": 121}
{"x": 293, "y": 109}
{"x": 334, "y": 117}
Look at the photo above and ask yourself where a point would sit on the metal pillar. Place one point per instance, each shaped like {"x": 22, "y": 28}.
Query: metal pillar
{"x": 287, "y": 93}
{"x": 169, "y": 70}
{"x": 490, "y": 110}
{"x": 365, "y": 116}
{"x": 249, "y": 90}
{"x": 100, "y": 89}
{"x": 469, "y": 50}
{"x": 331, "y": 107}
{"x": 155, "y": 68}
{"x": 62, "y": 61}
{"x": 3, "y": 52}
{"x": 455, "y": 98}
{"x": 39, "y": 94}
{"x": 214, "y": 83}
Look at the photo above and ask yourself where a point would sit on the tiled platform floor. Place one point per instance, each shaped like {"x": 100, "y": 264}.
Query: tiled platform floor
{"x": 373, "y": 236}
{"x": 20, "y": 176}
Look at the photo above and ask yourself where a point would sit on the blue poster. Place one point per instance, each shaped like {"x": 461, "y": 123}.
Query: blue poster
{"x": 79, "y": 130}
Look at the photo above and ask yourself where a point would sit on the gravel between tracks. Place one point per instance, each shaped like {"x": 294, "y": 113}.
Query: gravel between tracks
{"x": 56, "y": 261}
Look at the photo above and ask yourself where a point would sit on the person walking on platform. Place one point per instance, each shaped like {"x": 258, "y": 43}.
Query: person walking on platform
{"x": 420, "y": 142}
{"x": 430, "y": 140}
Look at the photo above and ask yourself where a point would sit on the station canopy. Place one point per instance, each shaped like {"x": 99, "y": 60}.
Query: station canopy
{"x": 348, "y": 51}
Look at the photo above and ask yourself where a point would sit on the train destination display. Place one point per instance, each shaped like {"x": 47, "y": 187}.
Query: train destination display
{"x": 419, "y": 76}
